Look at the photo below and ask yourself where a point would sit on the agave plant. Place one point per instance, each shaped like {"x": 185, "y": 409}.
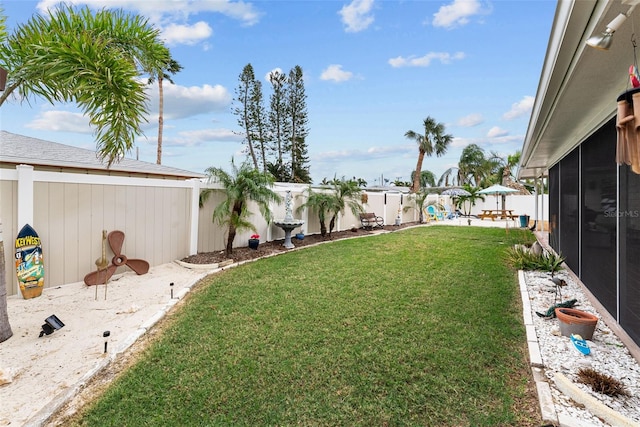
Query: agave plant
{"x": 522, "y": 258}
{"x": 552, "y": 262}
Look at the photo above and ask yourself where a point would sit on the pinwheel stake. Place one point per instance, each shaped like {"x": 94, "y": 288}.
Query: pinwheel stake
{"x": 102, "y": 276}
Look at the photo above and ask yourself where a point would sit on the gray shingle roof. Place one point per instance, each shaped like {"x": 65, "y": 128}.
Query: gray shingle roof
{"x": 19, "y": 149}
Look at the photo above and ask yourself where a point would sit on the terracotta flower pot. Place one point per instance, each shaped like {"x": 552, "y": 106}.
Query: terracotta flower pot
{"x": 577, "y": 322}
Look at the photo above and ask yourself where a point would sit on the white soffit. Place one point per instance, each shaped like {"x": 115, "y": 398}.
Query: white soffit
{"x": 579, "y": 84}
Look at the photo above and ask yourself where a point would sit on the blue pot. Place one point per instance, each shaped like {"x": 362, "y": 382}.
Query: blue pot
{"x": 253, "y": 243}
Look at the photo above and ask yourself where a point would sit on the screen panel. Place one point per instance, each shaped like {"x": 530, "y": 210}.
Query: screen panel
{"x": 569, "y": 209}
{"x": 554, "y": 207}
{"x": 629, "y": 219}
{"x": 598, "y": 219}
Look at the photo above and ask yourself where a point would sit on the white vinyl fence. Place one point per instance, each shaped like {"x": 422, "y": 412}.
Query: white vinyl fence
{"x": 161, "y": 218}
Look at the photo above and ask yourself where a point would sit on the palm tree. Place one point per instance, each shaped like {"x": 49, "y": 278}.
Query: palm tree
{"x": 433, "y": 140}
{"x": 93, "y": 60}
{"x": 427, "y": 179}
{"x": 245, "y": 184}
{"x": 171, "y": 67}
{"x": 473, "y": 165}
{"x": 346, "y": 194}
{"x": 319, "y": 202}
{"x": 419, "y": 198}
{"x": 505, "y": 167}
{"x": 450, "y": 177}
{"x": 362, "y": 183}
{"x": 466, "y": 202}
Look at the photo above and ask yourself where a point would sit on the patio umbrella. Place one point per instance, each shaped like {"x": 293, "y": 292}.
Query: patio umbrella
{"x": 498, "y": 190}
{"x": 455, "y": 192}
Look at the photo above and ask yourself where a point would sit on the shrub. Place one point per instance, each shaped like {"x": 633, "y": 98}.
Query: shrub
{"x": 522, "y": 258}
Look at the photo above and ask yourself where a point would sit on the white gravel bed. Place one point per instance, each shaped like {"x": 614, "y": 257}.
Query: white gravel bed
{"x": 608, "y": 354}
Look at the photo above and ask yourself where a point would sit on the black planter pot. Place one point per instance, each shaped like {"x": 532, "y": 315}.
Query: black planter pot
{"x": 253, "y": 243}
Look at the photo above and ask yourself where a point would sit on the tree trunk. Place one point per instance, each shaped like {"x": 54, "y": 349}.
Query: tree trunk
{"x": 5, "y": 327}
{"x": 416, "y": 175}
{"x": 3, "y": 78}
{"x": 323, "y": 228}
{"x": 332, "y": 224}
{"x": 160, "y": 118}
{"x": 230, "y": 238}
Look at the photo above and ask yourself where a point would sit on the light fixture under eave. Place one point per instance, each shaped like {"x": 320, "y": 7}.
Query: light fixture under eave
{"x": 604, "y": 40}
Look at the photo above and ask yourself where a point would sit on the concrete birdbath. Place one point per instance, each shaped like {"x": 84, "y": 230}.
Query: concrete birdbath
{"x": 289, "y": 222}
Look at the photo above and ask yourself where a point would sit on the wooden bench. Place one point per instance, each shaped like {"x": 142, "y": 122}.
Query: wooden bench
{"x": 370, "y": 220}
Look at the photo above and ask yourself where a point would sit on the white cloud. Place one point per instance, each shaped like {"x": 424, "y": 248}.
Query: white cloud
{"x": 488, "y": 141}
{"x": 458, "y": 142}
{"x": 470, "y": 120}
{"x": 425, "y": 61}
{"x": 61, "y": 121}
{"x": 515, "y": 140}
{"x": 190, "y": 138}
{"x": 182, "y": 101}
{"x": 389, "y": 151}
{"x": 172, "y": 17}
{"x": 159, "y": 11}
{"x": 520, "y": 108}
{"x": 356, "y": 15}
{"x": 335, "y": 155}
{"x": 336, "y": 73}
{"x": 456, "y": 13}
{"x": 276, "y": 70}
{"x": 186, "y": 34}
{"x": 496, "y": 132}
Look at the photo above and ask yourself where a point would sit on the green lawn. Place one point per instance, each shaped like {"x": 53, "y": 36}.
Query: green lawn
{"x": 418, "y": 327}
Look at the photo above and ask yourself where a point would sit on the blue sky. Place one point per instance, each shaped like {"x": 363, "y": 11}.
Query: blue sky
{"x": 372, "y": 71}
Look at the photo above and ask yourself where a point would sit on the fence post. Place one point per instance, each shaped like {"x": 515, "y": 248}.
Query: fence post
{"x": 195, "y": 209}
{"x": 25, "y": 195}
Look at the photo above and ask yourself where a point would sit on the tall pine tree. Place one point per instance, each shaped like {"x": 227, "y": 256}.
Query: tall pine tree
{"x": 243, "y": 110}
{"x": 276, "y": 139}
{"x": 298, "y": 117}
{"x": 279, "y": 127}
{"x": 259, "y": 120}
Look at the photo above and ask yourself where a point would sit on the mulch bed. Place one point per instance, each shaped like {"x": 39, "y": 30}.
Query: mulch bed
{"x": 269, "y": 248}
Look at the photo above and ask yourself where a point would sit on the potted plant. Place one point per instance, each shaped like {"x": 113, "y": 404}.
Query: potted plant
{"x": 254, "y": 241}
{"x": 573, "y": 321}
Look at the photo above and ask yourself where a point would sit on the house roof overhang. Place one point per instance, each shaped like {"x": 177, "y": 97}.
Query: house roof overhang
{"x": 579, "y": 84}
{"x": 52, "y": 156}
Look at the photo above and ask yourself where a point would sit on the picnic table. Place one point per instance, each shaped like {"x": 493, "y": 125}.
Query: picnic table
{"x": 497, "y": 213}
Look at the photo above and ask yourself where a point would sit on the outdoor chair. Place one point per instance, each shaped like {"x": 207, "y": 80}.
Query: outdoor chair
{"x": 433, "y": 213}
{"x": 450, "y": 215}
